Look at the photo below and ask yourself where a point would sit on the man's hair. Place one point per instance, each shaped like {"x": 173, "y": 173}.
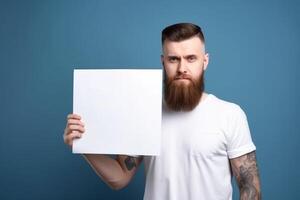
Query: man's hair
{"x": 181, "y": 31}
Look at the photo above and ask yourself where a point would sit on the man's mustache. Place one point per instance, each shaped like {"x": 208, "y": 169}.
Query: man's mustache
{"x": 183, "y": 76}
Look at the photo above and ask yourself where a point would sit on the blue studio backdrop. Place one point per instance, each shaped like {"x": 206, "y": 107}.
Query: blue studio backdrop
{"x": 254, "y": 57}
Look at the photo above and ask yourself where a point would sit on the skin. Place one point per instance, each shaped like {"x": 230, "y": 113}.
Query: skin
{"x": 115, "y": 172}
{"x": 186, "y": 57}
{"x": 245, "y": 170}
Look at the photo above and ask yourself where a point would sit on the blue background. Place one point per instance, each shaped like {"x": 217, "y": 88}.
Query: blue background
{"x": 254, "y": 61}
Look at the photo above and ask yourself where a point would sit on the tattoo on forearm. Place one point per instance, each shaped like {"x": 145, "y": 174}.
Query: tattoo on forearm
{"x": 248, "y": 177}
{"x": 130, "y": 163}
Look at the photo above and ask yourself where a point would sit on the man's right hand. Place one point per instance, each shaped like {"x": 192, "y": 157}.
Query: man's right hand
{"x": 115, "y": 172}
{"x": 74, "y": 129}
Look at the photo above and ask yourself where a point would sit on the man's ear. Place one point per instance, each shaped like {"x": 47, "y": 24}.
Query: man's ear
{"x": 162, "y": 59}
{"x": 205, "y": 61}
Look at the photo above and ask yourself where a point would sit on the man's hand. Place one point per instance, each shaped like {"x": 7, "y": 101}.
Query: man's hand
{"x": 74, "y": 129}
{"x": 245, "y": 170}
{"x": 116, "y": 173}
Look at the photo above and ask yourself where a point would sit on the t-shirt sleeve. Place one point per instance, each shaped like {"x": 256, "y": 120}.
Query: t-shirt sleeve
{"x": 135, "y": 156}
{"x": 239, "y": 141}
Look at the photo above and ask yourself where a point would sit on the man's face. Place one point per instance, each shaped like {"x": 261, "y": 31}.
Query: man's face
{"x": 184, "y": 64}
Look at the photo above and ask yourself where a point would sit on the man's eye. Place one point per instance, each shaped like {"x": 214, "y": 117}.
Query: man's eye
{"x": 173, "y": 59}
{"x": 191, "y": 58}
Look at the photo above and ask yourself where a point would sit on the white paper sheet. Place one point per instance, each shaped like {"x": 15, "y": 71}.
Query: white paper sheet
{"x": 121, "y": 109}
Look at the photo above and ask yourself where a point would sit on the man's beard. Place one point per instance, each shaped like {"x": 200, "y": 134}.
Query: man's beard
{"x": 181, "y": 96}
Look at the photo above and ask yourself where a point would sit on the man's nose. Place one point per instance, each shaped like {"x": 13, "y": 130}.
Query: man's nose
{"x": 182, "y": 68}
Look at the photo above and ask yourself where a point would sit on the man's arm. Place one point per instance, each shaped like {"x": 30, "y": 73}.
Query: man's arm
{"x": 245, "y": 170}
{"x": 114, "y": 172}
{"x": 117, "y": 172}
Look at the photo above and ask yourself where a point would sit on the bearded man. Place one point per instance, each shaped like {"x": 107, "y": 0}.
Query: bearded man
{"x": 205, "y": 140}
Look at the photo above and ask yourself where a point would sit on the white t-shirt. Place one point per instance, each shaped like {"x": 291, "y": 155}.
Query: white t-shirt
{"x": 196, "y": 147}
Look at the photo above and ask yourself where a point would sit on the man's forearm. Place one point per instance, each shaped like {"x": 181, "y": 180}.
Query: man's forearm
{"x": 246, "y": 172}
{"x": 107, "y": 168}
{"x": 249, "y": 186}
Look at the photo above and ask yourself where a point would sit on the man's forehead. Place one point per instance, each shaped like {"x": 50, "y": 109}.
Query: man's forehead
{"x": 190, "y": 46}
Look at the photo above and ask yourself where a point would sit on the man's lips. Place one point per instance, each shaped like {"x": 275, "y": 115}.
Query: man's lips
{"x": 183, "y": 77}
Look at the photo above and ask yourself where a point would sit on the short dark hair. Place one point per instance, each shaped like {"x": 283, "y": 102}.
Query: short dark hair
{"x": 181, "y": 31}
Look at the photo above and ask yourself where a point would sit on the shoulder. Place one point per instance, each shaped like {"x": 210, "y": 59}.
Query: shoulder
{"x": 224, "y": 106}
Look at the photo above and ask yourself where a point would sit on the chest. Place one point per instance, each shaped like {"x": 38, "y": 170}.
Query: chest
{"x": 201, "y": 136}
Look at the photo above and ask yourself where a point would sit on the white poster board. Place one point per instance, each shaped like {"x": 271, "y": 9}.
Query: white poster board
{"x": 121, "y": 109}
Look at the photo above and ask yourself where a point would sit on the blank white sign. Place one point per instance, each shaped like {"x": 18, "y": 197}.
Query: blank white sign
{"x": 121, "y": 109}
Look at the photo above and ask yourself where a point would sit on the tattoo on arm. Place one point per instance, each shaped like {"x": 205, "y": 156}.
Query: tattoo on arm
{"x": 130, "y": 162}
{"x": 246, "y": 173}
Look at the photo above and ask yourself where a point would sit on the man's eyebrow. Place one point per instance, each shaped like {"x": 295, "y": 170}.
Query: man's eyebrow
{"x": 172, "y": 56}
{"x": 190, "y": 55}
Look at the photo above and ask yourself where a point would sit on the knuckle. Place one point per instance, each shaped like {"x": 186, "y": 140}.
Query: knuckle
{"x": 70, "y": 136}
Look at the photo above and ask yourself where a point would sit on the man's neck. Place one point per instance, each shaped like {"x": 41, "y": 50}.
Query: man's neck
{"x": 203, "y": 96}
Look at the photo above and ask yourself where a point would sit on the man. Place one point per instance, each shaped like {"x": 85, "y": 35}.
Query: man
{"x": 204, "y": 139}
